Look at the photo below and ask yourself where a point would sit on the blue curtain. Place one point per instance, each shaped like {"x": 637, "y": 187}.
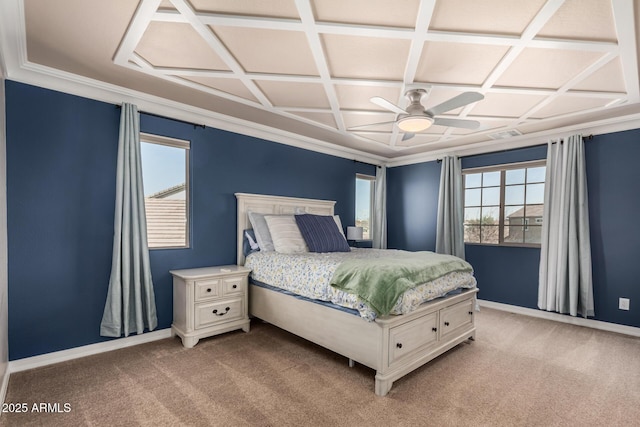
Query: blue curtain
{"x": 380, "y": 209}
{"x": 450, "y": 227}
{"x": 565, "y": 284}
{"x": 130, "y": 305}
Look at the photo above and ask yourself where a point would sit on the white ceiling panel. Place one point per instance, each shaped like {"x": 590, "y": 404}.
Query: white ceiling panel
{"x": 482, "y": 16}
{"x": 311, "y": 67}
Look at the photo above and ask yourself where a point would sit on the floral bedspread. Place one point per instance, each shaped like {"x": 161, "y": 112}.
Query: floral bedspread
{"x": 309, "y": 274}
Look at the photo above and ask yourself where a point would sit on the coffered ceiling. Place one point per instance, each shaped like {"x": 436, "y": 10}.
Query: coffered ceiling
{"x": 302, "y": 72}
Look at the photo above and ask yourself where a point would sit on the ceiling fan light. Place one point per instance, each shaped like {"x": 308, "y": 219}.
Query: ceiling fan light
{"x": 414, "y": 124}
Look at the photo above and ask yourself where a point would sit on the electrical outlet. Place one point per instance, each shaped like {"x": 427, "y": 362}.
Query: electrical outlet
{"x": 623, "y": 304}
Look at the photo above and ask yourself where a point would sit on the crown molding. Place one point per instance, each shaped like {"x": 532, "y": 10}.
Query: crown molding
{"x": 62, "y": 81}
{"x": 15, "y": 66}
{"x": 611, "y": 125}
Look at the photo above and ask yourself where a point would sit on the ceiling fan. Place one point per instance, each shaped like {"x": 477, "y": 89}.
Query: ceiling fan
{"x": 415, "y": 118}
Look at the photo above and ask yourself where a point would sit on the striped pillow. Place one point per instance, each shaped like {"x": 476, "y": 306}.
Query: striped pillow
{"x": 285, "y": 234}
{"x": 321, "y": 233}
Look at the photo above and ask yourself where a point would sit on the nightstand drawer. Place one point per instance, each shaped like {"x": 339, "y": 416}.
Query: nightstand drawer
{"x": 218, "y": 312}
{"x": 209, "y": 288}
{"x": 233, "y": 285}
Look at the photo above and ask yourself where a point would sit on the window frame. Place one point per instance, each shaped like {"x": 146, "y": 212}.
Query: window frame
{"x": 501, "y": 219}
{"x": 186, "y": 145}
{"x": 372, "y": 180}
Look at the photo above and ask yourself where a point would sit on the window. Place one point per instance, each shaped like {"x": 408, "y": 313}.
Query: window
{"x": 165, "y": 173}
{"x": 365, "y": 185}
{"x": 503, "y": 205}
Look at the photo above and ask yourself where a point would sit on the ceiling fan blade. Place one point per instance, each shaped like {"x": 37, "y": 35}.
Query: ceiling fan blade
{"x": 456, "y": 102}
{"x": 408, "y": 135}
{"x": 387, "y": 105}
{"x": 456, "y": 123}
{"x": 370, "y": 125}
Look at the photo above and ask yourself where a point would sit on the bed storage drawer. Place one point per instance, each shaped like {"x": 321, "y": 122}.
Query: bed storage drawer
{"x": 410, "y": 337}
{"x": 456, "y": 318}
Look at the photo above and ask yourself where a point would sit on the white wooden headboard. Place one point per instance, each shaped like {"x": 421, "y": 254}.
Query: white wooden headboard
{"x": 277, "y": 205}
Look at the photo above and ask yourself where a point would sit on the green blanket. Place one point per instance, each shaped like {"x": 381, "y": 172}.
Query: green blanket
{"x": 380, "y": 281}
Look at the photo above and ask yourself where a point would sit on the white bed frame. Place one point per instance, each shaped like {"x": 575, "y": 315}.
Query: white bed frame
{"x": 393, "y": 345}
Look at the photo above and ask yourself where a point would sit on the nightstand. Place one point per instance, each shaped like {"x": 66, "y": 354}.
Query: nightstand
{"x": 360, "y": 243}
{"x": 209, "y": 301}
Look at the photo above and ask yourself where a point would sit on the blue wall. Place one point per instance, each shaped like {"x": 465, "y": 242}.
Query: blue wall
{"x": 412, "y": 206}
{"x": 61, "y": 165}
{"x": 510, "y": 275}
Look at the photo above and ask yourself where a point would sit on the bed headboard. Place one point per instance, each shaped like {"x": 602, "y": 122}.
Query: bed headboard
{"x": 276, "y": 205}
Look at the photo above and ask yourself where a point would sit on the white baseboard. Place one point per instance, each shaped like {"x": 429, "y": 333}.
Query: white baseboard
{"x": 87, "y": 350}
{"x": 580, "y": 321}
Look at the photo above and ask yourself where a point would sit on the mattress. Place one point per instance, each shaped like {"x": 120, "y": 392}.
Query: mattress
{"x": 309, "y": 275}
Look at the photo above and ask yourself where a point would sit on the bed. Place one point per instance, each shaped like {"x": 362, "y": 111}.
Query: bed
{"x": 392, "y": 345}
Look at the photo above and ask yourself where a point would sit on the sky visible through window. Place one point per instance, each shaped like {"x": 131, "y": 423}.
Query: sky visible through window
{"x": 363, "y": 199}
{"x": 162, "y": 167}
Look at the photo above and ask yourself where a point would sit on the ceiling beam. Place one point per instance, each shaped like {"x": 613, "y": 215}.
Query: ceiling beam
{"x": 138, "y": 25}
{"x": 623, "y": 16}
{"x": 217, "y": 46}
{"x": 319, "y": 56}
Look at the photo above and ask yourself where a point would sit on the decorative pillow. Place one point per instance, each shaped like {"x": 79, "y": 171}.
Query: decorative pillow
{"x": 285, "y": 234}
{"x": 249, "y": 244}
{"x": 321, "y": 233}
{"x": 302, "y": 211}
{"x": 261, "y": 230}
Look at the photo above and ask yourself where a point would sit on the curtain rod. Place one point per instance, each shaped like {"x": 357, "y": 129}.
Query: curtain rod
{"x": 168, "y": 118}
{"x": 365, "y": 163}
{"x": 588, "y": 137}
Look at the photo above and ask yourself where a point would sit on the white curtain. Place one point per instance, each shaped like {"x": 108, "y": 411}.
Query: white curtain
{"x": 450, "y": 227}
{"x": 130, "y": 305}
{"x": 380, "y": 209}
{"x": 565, "y": 259}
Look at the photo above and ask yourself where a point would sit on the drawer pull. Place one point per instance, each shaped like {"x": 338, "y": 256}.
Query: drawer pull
{"x": 234, "y": 286}
{"x": 208, "y": 289}
{"x": 471, "y": 313}
{"x": 434, "y": 329}
{"x": 399, "y": 345}
{"x": 226, "y": 310}
{"x": 446, "y": 323}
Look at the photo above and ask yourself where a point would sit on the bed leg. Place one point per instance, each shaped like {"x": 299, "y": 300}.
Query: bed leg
{"x": 351, "y": 363}
{"x": 383, "y": 386}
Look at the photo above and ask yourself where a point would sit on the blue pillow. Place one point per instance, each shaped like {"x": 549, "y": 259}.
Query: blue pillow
{"x": 321, "y": 234}
{"x": 246, "y": 244}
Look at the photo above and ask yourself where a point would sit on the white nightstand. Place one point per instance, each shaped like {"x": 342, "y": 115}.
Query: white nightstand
{"x": 209, "y": 301}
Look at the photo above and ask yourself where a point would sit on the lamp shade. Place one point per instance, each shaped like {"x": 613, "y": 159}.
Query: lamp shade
{"x": 354, "y": 233}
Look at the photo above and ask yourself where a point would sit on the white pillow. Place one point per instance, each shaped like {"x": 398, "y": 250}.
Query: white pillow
{"x": 261, "y": 230}
{"x": 336, "y": 218}
{"x": 285, "y": 234}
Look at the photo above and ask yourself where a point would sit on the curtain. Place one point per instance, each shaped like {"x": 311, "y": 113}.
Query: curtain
{"x": 450, "y": 228}
{"x": 565, "y": 284}
{"x": 130, "y": 305}
{"x": 380, "y": 209}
